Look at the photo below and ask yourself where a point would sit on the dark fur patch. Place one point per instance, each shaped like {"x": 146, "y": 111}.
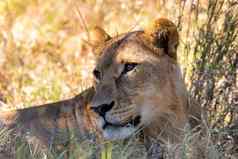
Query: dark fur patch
{"x": 161, "y": 40}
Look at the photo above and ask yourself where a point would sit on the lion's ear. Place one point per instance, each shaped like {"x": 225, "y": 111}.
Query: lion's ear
{"x": 162, "y": 33}
{"x": 98, "y": 36}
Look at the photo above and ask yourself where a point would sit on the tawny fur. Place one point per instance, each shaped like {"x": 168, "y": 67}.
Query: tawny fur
{"x": 155, "y": 90}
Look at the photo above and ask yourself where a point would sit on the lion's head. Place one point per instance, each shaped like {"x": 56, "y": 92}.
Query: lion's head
{"x": 139, "y": 85}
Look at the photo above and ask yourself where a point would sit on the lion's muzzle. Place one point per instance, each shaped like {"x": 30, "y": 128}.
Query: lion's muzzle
{"x": 102, "y": 109}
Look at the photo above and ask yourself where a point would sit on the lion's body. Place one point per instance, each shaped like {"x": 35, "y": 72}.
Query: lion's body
{"x": 50, "y": 123}
{"x": 150, "y": 97}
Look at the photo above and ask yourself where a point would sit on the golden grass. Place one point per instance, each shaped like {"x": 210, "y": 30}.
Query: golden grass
{"x": 44, "y": 57}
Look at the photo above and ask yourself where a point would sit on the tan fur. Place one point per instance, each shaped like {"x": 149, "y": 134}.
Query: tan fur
{"x": 154, "y": 90}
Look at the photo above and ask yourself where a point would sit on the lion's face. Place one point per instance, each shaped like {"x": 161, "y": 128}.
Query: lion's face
{"x": 138, "y": 84}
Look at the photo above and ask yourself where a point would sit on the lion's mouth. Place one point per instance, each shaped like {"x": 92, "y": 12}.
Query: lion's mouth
{"x": 120, "y": 131}
{"x": 133, "y": 122}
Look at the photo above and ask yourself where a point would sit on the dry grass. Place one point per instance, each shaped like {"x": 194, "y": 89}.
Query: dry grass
{"x": 44, "y": 57}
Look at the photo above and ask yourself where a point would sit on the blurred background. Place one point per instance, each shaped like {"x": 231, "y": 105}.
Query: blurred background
{"x": 45, "y": 56}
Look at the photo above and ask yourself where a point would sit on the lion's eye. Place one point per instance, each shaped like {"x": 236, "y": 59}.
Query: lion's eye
{"x": 97, "y": 74}
{"x": 129, "y": 67}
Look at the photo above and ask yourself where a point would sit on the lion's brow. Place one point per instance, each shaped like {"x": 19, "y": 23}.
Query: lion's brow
{"x": 114, "y": 45}
{"x": 112, "y": 48}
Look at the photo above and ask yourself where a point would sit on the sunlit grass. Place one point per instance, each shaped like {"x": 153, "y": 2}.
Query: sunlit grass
{"x": 45, "y": 57}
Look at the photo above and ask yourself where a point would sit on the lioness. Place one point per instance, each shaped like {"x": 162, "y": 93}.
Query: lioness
{"x": 138, "y": 89}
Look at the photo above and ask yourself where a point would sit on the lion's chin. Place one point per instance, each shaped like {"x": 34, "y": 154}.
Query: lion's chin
{"x": 117, "y": 132}
{"x": 111, "y": 132}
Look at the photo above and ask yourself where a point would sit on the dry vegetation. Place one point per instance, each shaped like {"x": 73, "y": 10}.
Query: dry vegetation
{"x": 44, "y": 56}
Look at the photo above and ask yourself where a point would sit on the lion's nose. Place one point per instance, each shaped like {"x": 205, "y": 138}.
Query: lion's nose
{"x": 102, "y": 109}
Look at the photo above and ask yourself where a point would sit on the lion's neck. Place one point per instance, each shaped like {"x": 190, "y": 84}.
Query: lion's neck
{"x": 166, "y": 129}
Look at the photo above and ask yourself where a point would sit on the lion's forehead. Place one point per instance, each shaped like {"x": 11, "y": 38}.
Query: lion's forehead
{"x": 110, "y": 49}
